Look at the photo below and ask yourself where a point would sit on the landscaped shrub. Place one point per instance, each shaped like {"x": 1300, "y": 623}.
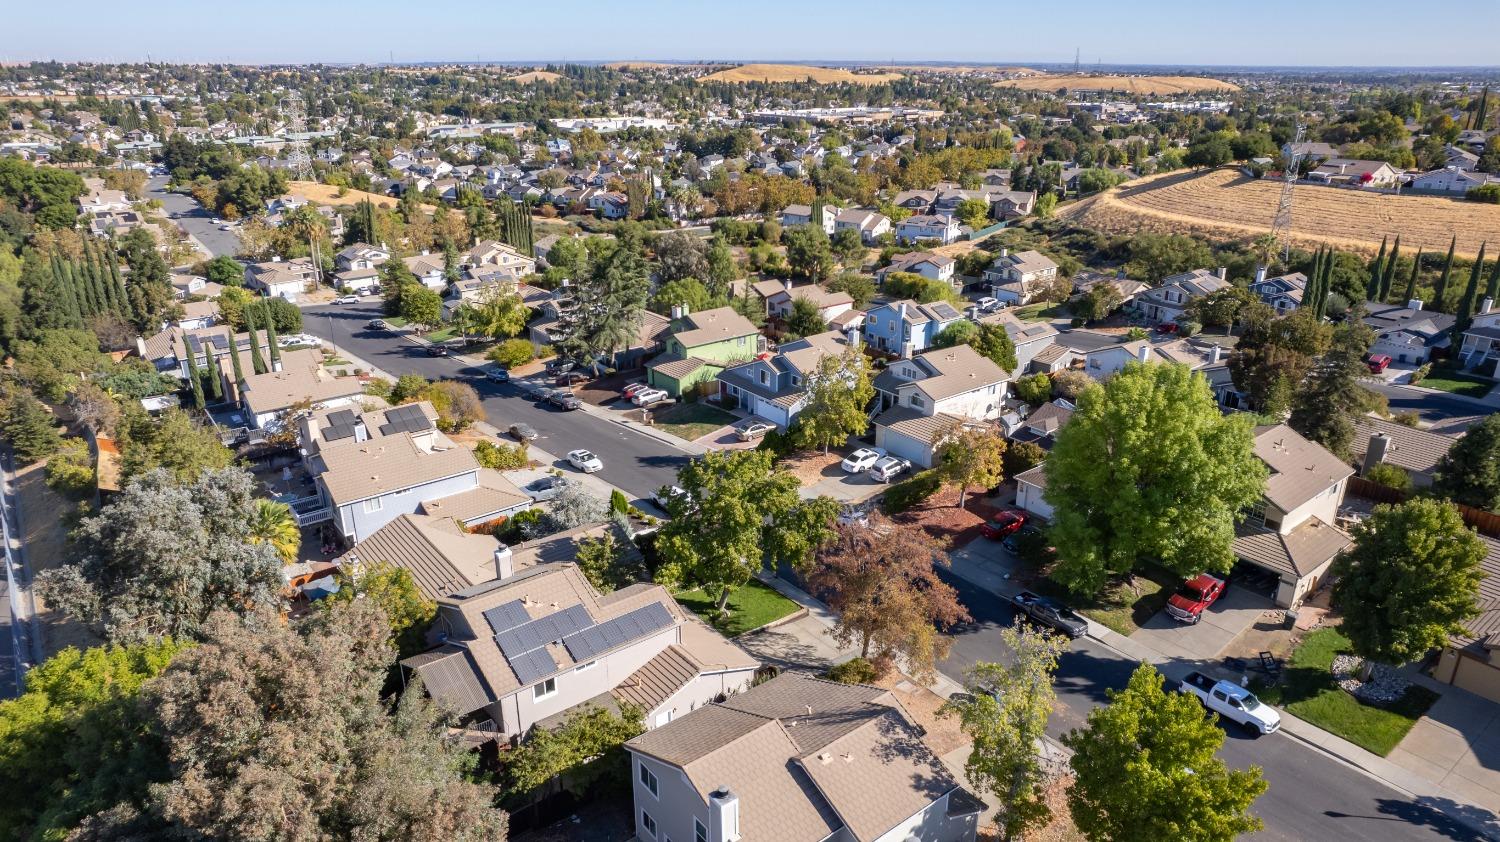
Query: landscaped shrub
{"x": 1035, "y": 390}
{"x": 501, "y": 457}
{"x": 904, "y": 495}
{"x": 618, "y": 503}
{"x": 513, "y": 352}
{"x": 1390, "y": 476}
{"x": 858, "y": 671}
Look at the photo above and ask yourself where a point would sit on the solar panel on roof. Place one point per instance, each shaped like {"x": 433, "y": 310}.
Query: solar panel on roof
{"x": 542, "y": 631}
{"x": 337, "y": 431}
{"x": 405, "y": 419}
{"x": 623, "y": 629}
{"x": 507, "y": 616}
{"x": 342, "y": 417}
{"x": 533, "y": 666}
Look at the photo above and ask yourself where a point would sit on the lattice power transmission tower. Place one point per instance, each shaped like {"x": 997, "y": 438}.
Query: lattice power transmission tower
{"x": 298, "y": 160}
{"x": 1281, "y": 227}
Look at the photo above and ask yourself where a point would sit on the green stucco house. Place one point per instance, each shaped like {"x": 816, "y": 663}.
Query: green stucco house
{"x": 700, "y": 346}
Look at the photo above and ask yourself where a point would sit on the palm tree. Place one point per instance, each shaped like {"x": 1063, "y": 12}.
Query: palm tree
{"x": 274, "y": 524}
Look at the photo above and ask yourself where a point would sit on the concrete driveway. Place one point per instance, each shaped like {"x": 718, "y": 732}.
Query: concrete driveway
{"x": 1238, "y": 609}
{"x": 1457, "y": 745}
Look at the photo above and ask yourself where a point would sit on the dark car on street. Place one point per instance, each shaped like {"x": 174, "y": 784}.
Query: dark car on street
{"x": 438, "y": 351}
{"x": 566, "y": 401}
{"x": 523, "y": 432}
{"x": 1050, "y": 613}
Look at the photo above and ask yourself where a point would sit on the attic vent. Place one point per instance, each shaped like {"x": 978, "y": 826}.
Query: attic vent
{"x": 825, "y": 758}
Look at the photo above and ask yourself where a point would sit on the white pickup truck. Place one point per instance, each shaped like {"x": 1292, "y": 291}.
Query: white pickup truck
{"x": 1232, "y": 702}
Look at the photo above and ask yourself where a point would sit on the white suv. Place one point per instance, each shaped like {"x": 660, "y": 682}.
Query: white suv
{"x": 862, "y": 460}
{"x": 889, "y": 468}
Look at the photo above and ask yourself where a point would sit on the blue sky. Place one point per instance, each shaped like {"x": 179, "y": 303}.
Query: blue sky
{"x": 1201, "y": 32}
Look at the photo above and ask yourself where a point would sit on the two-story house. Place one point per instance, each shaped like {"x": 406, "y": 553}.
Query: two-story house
{"x": 1105, "y": 362}
{"x": 492, "y": 256}
{"x": 430, "y": 269}
{"x": 774, "y": 386}
{"x": 923, "y": 397}
{"x": 905, "y": 327}
{"x": 935, "y": 267}
{"x": 1029, "y": 338}
{"x": 869, "y": 224}
{"x": 830, "y": 304}
{"x": 1282, "y": 293}
{"x": 794, "y": 215}
{"x": 699, "y": 346}
{"x": 1410, "y": 334}
{"x": 297, "y": 378}
{"x": 517, "y": 652}
{"x": 277, "y": 278}
{"x": 797, "y": 759}
{"x": 1169, "y": 302}
{"x": 360, "y": 256}
{"x": 913, "y": 229}
{"x": 1017, "y": 278}
{"x": 1481, "y": 340}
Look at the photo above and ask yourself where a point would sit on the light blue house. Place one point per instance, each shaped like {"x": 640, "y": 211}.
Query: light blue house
{"x": 906, "y": 327}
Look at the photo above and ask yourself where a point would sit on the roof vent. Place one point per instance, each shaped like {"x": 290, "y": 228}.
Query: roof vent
{"x": 825, "y": 758}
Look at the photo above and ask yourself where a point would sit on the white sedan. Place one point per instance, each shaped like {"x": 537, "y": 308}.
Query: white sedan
{"x": 299, "y": 339}
{"x": 862, "y": 460}
{"x": 646, "y": 397}
{"x": 585, "y": 461}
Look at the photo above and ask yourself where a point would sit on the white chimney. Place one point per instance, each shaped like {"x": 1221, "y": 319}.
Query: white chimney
{"x": 1414, "y": 304}
{"x": 1223, "y": 273}
{"x": 1486, "y": 305}
{"x": 787, "y": 284}
{"x": 676, "y": 312}
{"x": 140, "y": 346}
{"x": 1005, "y": 252}
{"x": 723, "y": 816}
{"x": 1215, "y": 354}
{"x": 503, "y": 568}
{"x": 1260, "y": 273}
{"x": 1144, "y": 355}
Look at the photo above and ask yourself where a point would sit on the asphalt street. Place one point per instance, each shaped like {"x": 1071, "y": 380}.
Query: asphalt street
{"x": 633, "y": 462}
{"x": 185, "y": 211}
{"x": 1311, "y": 795}
{"x": 1433, "y": 407}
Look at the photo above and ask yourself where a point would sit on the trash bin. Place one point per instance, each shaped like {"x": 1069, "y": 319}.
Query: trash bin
{"x": 1290, "y": 618}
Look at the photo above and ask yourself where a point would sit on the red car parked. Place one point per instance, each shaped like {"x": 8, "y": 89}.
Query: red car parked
{"x": 1168, "y": 327}
{"x": 1003, "y": 524}
{"x": 1195, "y": 595}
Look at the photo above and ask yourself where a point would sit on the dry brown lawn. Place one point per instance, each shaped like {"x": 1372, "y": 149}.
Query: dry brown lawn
{"x": 1224, "y": 204}
{"x": 536, "y": 76}
{"x": 1142, "y": 85}
{"x": 44, "y": 534}
{"x": 797, "y": 73}
{"x": 327, "y": 194}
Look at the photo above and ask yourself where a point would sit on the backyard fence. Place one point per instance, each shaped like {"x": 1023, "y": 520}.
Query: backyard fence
{"x": 1483, "y": 522}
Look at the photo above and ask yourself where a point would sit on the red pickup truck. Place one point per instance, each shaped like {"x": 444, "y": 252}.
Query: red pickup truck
{"x": 1195, "y": 595}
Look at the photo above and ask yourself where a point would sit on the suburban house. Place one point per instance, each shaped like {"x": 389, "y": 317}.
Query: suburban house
{"x": 360, "y": 256}
{"x": 1012, "y": 204}
{"x": 298, "y": 378}
{"x": 518, "y": 651}
{"x": 1103, "y": 363}
{"x": 774, "y": 386}
{"x": 1030, "y": 338}
{"x": 610, "y": 204}
{"x": 277, "y": 278}
{"x": 1451, "y": 181}
{"x": 1041, "y": 426}
{"x": 1350, "y": 172}
{"x": 905, "y": 327}
{"x": 1085, "y": 281}
{"x": 913, "y": 229}
{"x": 492, "y": 256}
{"x": 830, "y": 304}
{"x": 1169, "y": 302}
{"x": 430, "y": 269}
{"x": 1282, "y": 293}
{"x": 1410, "y": 334}
{"x": 921, "y": 398}
{"x": 1016, "y": 278}
{"x": 798, "y": 759}
{"x": 1413, "y": 450}
{"x": 699, "y": 346}
{"x": 869, "y": 224}
{"x": 168, "y": 349}
{"x": 1031, "y": 491}
{"x": 1469, "y": 661}
{"x": 1481, "y": 341}
{"x": 1291, "y": 532}
{"x": 934, "y": 267}
{"x": 794, "y": 215}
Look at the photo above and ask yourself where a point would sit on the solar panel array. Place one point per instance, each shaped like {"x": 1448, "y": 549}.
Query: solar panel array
{"x": 537, "y": 633}
{"x": 340, "y": 425}
{"x": 508, "y": 616}
{"x": 533, "y": 666}
{"x": 623, "y": 629}
{"x": 405, "y": 419}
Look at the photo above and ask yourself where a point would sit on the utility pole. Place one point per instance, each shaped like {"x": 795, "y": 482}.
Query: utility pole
{"x": 1281, "y": 226}
{"x": 298, "y": 161}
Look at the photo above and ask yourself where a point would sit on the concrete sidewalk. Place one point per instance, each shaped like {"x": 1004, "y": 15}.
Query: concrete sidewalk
{"x": 987, "y": 565}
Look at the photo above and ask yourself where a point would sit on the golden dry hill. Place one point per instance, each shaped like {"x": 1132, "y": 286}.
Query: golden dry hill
{"x": 536, "y": 76}
{"x": 1227, "y": 205}
{"x": 797, "y": 73}
{"x": 1143, "y": 85}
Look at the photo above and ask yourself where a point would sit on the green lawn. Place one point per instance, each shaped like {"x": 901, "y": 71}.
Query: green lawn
{"x": 441, "y": 335}
{"x": 1449, "y": 380}
{"x": 1309, "y": 692}
{"x": 1039, "y": 312}
{"x": 750, "y": 607}
{"x": 394, "y": 321}
{"x": 690, "y": 420}
{"x": 1119, "y": 607}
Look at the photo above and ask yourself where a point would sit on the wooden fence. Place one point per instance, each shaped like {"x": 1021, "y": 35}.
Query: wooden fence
{"x": 1483, "y": 522}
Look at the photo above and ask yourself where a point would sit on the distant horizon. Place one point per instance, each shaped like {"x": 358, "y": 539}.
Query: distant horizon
{"x": 1150, "y": 33}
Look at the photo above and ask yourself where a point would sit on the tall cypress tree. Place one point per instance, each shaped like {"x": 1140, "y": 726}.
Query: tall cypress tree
{"x": 257, "y": 362}
{"x": 215, "y": 378}
{"x": 1390, "y": 271}
{"x": 1440, "y": 291}
{"x": 234, "y": 357}
{"x": 1372, "y": 286}
{"x": 118, "y": 302}
{"x": 1471, "y": 293}
{"x": 271, "y": 344}
{"x": 194, "y": 379}
{"x": 1492, "y": 288}
{"x": 1411, "y": 280}
{"x": 68, "y": 293}
{"x": 1310, "y": 292}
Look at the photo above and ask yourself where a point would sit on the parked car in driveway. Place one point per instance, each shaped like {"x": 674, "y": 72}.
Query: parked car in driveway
{"x": 585, "y": 461}
{"x": 632, "y": 389}
{"x": 861, "y": 460}
{"x": 987, "y": 304}
{"x": 646, "y": 397}
{"x": 299, "y": 339}
{"x": 889, "y": 468}
{"x": 346, "y": 299}
{"x": 1194, "y": 597}
{"x": 523, "y": 432}
{"x": 1003, "y": 524}
{"x": 752, "y": 429}
{"x": 545, "y": 488}
{"x": 1050, "y": 613}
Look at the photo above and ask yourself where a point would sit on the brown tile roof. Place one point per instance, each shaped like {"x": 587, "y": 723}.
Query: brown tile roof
{"x": 493, "y": 495}
{"x": 913, "y": 424}
{"x": 1300, "y": 469}
{"x": 441, "y": 558}
{"x": 658, "y": 679}
{"x": 1297, "y": 554}
{"x": 1415, "y": 450}
{"x": 958, "y": 369}
{"x": 676, "y": 367}
{"x": 1485, "y": 629}
{"x": 358, "y": 470}
{"x": 302, "y": 377}
{"x": 450, "y": 678}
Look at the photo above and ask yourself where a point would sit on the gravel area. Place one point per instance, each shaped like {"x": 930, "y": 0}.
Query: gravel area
{"x": 1386, "y": 685}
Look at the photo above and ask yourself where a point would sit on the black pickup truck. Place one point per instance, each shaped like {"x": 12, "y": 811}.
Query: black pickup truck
{"x": 1051, "y": 614}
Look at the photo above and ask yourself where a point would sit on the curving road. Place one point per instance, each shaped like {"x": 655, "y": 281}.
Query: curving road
{"x": 185, "y": 211}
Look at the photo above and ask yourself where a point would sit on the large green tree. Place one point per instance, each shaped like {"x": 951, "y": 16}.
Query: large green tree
{"x": 809, "y": 252}
{"x": 1469, "y": 472}
{"x": 838, "y": 393}
{"x": 1149, "y": 470}
{"x": 1329, "y": 401}
{"x": 1273, "y": 356}
{"x": 1410, "y": 582}
{"x": 1147, "y": 771}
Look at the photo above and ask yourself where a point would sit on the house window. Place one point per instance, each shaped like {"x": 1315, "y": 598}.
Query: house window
{"x": 796, "y": 381}
{"x": 700, "y": 833}
{"x": 373, "y": 505}
{"x": 648, "y": 779}
{"x": 763, "y": 378}
{"x": 1257, "y": 513}
{"x": 545, "y": 690}
{"x": 916, "y": 400}
{"x": 648, "y": 823}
